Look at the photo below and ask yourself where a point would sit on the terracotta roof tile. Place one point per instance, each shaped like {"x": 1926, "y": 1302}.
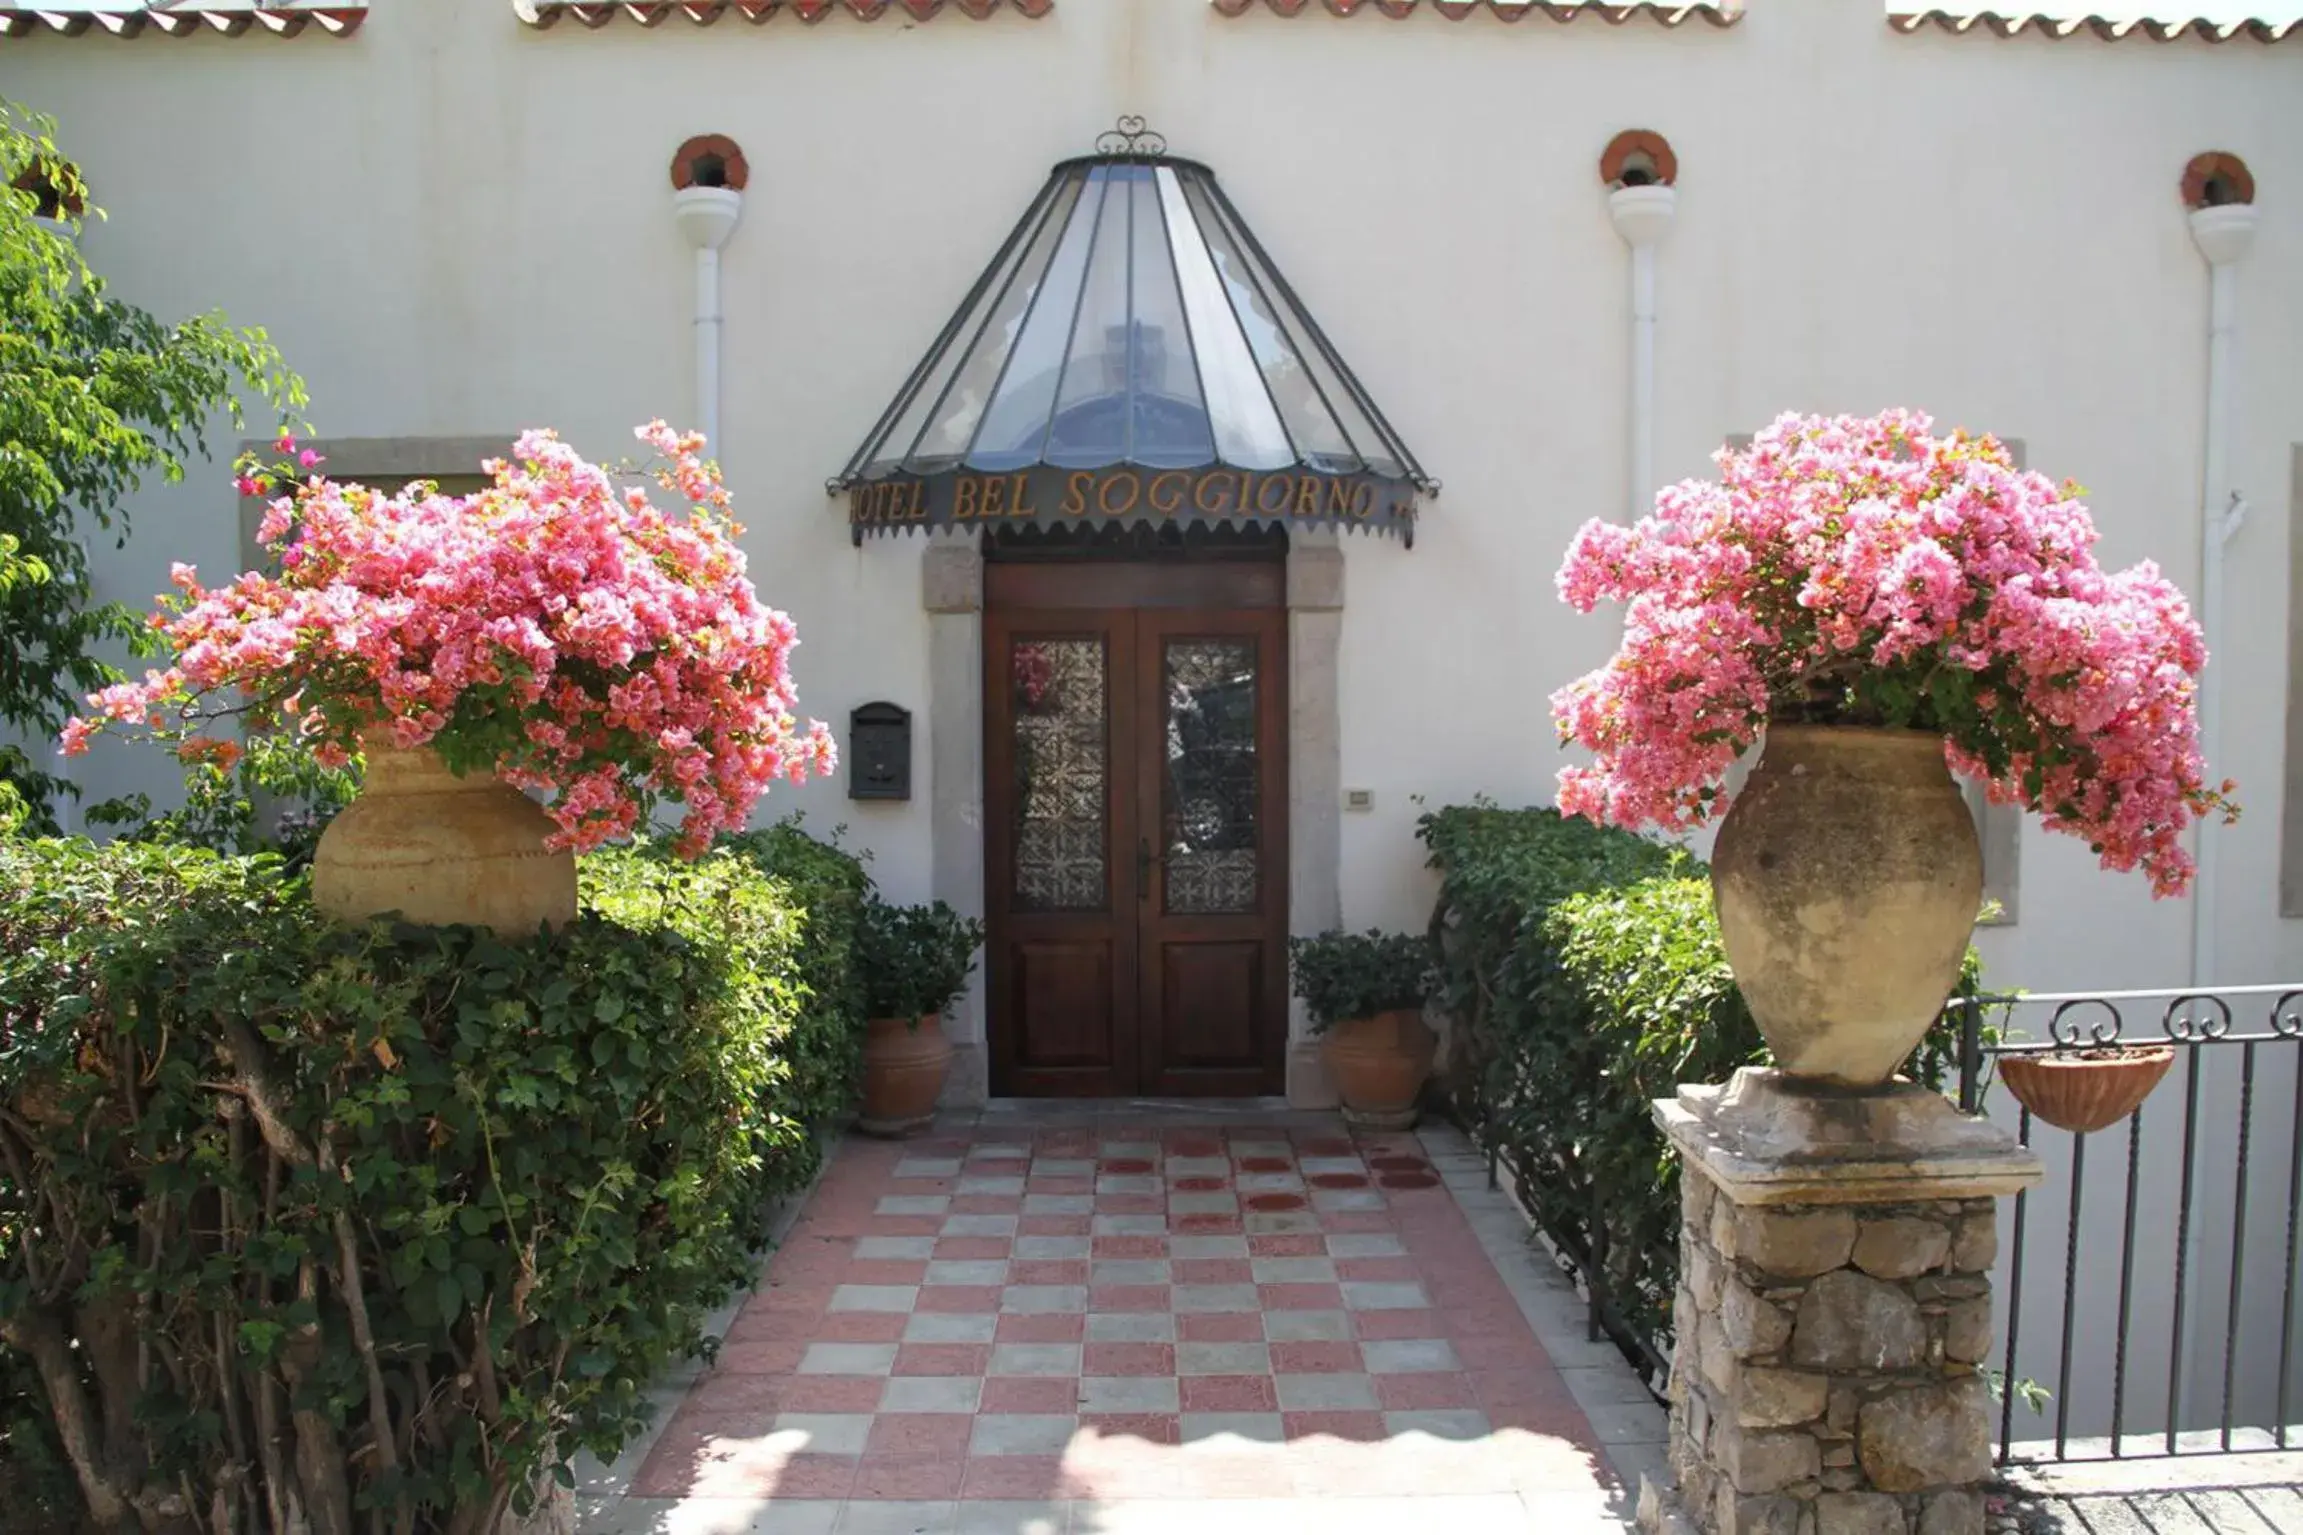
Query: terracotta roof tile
{"x": 1720, "y": 13}
{"x": 598, "y": 13}
{"x": 2165, "y": 29}
{"x": 336, "y": 19}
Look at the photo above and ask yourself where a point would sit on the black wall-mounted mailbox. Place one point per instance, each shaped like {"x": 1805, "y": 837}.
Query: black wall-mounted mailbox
{"x": 880, "y": 752}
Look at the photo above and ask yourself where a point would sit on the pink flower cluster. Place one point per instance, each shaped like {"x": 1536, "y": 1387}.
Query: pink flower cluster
{"x": 1862, "y": 571}
{"x": 560, "y": 631}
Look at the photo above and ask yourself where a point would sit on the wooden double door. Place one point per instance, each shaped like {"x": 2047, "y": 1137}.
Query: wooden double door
{"x": 1136, "y": 828}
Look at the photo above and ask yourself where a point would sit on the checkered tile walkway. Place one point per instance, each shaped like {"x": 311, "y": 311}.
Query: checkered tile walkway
{"x": 1072, "y": 1319}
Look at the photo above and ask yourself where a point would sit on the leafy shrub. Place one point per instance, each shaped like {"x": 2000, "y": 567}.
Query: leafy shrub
{"x": 298, "y": 1219}
{"x": 827, "y": 887}
{"x": 1501, "y": 870}
{"x": 914, "y": 959}
{"x": 1588, "y": 963}
{"x": 1342, "y": 976}
{"x": 271, "y": 796}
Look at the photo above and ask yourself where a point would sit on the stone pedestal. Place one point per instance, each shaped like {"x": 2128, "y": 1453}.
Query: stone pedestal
{"x": 1834, "y": 1310}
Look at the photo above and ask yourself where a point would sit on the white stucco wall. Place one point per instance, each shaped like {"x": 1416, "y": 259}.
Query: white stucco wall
{"x": 454, "y": 224}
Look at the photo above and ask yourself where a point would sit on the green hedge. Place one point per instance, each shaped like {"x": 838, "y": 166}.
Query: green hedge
{"x": 372, "y": 1227}
{"x": 1584, "y": 970}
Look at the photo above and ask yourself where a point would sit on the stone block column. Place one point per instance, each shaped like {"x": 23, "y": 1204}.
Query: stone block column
{"x": 1315, "y": 583}
{"x": 952, "y": 592}
{"x": 1834, "y": 1310}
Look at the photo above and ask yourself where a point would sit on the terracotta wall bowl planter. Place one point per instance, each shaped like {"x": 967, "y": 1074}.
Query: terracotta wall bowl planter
{"x": 904, "y": 1069}
{"x": 442, "y": 850}
{"x": 1380, "y": 1065}
{"x": 2086, "y": 1090}
{"x": 1847, "y": 878}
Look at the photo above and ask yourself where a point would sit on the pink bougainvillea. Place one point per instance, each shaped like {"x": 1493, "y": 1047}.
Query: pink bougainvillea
{"x": 1853, "y": 571}
{"x": 552, "y": 627}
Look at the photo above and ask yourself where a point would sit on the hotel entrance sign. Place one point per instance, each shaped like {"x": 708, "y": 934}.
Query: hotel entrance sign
{"x": 1044, "y": 496}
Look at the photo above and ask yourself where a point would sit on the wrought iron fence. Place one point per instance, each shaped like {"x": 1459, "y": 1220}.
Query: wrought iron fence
{"x": 2172, "y": 1324}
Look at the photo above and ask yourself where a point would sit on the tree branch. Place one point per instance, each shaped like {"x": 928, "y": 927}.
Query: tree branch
{"x": 363, "y": 1334}
{"x": 35, "y": 1331}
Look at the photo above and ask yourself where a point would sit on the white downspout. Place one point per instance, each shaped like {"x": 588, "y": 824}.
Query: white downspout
{"x": 1642, "y": 214}
{"x": 2223, "y": 235}
{"x": 707, "y": 217}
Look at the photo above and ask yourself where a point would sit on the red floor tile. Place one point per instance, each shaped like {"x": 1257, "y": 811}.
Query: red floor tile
{"x": 904, "y": 1225}
{"x": 765, "y": 1326}
{"x": 1381, "y": 1270}
{"x": 1016, "y": 1477}
{"x": 896, "y": 1435}
{"x": 1220, "y": 1327}
{"x": 1055, "y": 1225}
{"x": 1228, "y": 1393}
{"x": 1394, "y": 1326}
{"x": 884, "y": 1271}
{"x": 808, "y": 1298}
{"x": 1149, "y": 1427}
{"x": 813, "y": 1476}
{"x": 1424, "y": 1392}
{"x": 1130, "y": 1247}
{"x": 858, "y": 1327}
{"x": 831, "y": 1393}
{"x": 974, "y": 1249}
{"x": 1316, "y": 1358}
{"x": 1211, "y": 1271}
{"x": 959, "y": 1300}
{"x": 1128, "y": 1359}
{"x": 746, "y": 1357}
{"x": 908, "y": 1477}
{"x": 1048, "y": 1271}
{"x": 1353, "y": 1427}
{"x": 943, "y": 1358}
{"x": 1031, "y": 1394}
{"x": 1043, "y": 1327}
{"x": 719, "y": 1394}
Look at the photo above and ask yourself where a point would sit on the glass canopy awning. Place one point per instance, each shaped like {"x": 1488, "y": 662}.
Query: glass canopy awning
{"x": 1132, "y": 355}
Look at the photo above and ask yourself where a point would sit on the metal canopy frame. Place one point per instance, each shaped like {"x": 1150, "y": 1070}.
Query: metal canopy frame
{"x": 1133, "y": 289}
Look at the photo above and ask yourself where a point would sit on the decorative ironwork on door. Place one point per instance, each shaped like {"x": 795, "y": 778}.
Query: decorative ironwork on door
{"x": 1062, "y": 758}
{"x": 1211, "y": 783}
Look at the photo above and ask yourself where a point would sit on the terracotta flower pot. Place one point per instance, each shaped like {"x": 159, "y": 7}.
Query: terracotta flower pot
{"x": 1379, "y": 1065}
{"x": 904, "y": 1069}
{"x": 439, "y": 849}
{"x": 2086, "y": 1090}
{"x": 1847, "y": 879}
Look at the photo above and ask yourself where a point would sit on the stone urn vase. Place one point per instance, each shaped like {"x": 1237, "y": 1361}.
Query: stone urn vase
{"x": 905, "y": 1062}
{"x": 1380, "y": 1064}
{"x": 442, "y": 850}
{"x": 1847, "y": 878}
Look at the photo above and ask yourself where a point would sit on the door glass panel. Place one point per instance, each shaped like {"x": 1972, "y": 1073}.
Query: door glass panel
{"x": 1062, "y": 754}
{"x": 1208, "y": 810}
